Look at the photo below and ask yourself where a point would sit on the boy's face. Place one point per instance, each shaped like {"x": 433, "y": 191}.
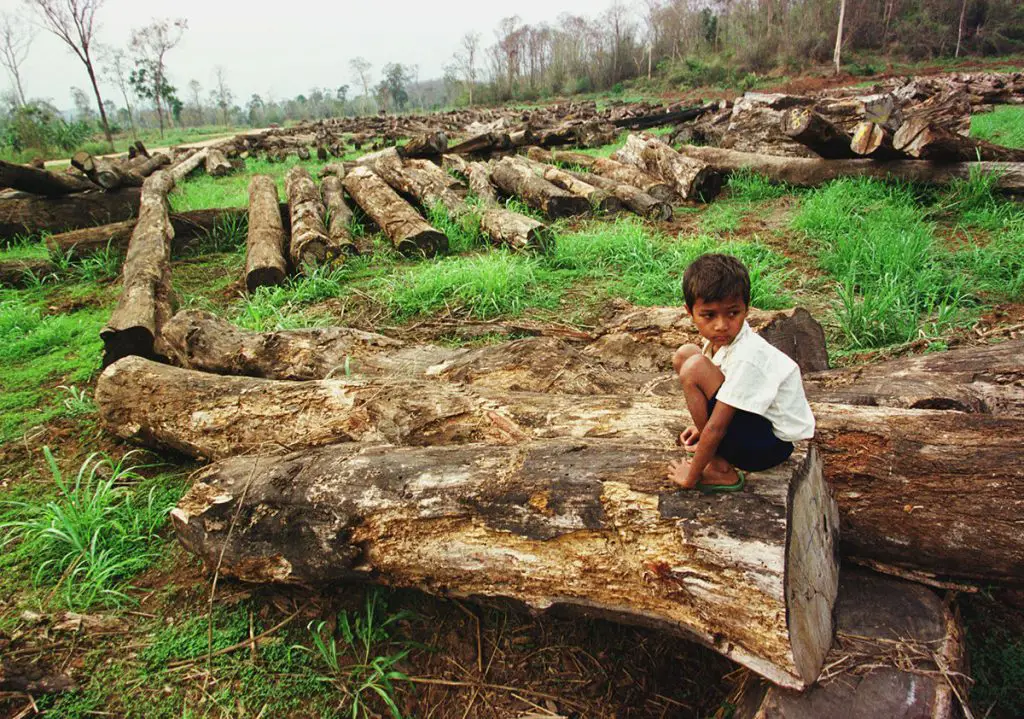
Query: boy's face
{"x": 719, "y": 322}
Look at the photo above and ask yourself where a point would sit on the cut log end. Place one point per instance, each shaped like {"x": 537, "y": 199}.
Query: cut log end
{"x": 426, "y": 243}
{"x": 263, "y": 277}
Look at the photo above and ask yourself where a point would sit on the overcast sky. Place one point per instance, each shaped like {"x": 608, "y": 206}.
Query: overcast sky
{"x": 281, "y": 49}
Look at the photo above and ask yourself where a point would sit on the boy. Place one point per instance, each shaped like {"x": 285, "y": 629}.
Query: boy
{"x": 745, "y": 396}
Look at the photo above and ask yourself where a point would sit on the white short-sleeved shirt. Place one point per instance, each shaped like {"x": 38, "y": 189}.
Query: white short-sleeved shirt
{"x": 760, "y": 378}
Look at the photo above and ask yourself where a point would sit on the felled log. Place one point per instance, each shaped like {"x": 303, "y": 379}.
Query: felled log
{"x": 310, "y": 244}
{"x": 483, "y": 143}
{"x": 265, "y": 262}
{"x": 923, "y": 139}
{"x": 643, "y": 122}
{"x": 606, "y": 167}
{"x": 476, "y": 174}
{"x": 909, "y": 496}
{"x": 187, "y": 227}
{"x": 41, "y": 182}
{"x": 987, "y": 379}
{"x": 598, "y": 198}
{"x": 105, "y": 173}
{"x": 409, "y": 232}
{"x": 429, "y": 144}
{"x": 147, "y": 298}
{"x": 216, "y": 164}
{"x": 150, "y": 164}
{"x": 871, "y": 139}
{"x": 562, "y": 523}
{"x": 339, "y": 215}
{"x": 22, "y": 213}
{"x": 899, "y": 652}
{"x": 634, "y": 198}
{"x": 691, "y": 179}
{"x": 811, "y": 129}
{"x": 513, "y": 178}
{"x": 182, "y": 169}
{"x": 807, "y": 172}
{"x": 22, "y": 273}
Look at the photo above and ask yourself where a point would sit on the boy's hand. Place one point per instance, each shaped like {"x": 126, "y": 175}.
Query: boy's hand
{"x": 689, "y": 437}
{"x": 678, "y": 471}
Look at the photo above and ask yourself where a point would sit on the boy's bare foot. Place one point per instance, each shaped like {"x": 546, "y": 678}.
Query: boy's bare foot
{"x": 718, "y": 472}
{"x": 677, "y": 472}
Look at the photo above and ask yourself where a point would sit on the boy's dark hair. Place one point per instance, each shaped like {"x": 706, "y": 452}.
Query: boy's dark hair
{"x": 714, "y": 278}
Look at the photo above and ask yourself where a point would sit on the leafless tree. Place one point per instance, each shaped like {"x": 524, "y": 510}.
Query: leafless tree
{"x": 74, "y": 22}
{"x": 960, "y": 29}
{"x": 151, "y": 45}
{"x": 837, "y": 56}
{"x": 223, "y": 92}
{"x": 114, "y": 68}
{"x": 15, "y": 39}
{"x": 465, "y": 60}
{"x": 361, "y": 73}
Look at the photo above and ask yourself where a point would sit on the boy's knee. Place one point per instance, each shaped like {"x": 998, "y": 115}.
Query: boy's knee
{"x": 683, "y": 354}
{"x": 691, "y": 368}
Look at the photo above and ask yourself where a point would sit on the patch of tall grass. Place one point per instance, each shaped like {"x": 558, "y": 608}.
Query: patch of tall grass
{"x": 203, "y": 192}
{"x": 895, "y": 282}
{"x": 1003, "y": 126}
{"x": 463, "y": 232}
{"x": 744, "y": 185}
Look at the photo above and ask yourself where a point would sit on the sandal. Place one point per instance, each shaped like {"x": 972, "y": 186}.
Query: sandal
{"x": 724, "y": 488}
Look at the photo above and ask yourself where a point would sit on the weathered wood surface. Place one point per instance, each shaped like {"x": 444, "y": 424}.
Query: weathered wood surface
{"x": 631, "y": 197}
{"x": 811, "y": 129}
{"x": 22, "y": 213}
{"x": 148, "y": 164}
{"x": 987, "y": 379}
{"x": 428, "y": 144}
{"x": 924, "y": 139}
{"x": 147, "y": 297}
{"x": 599, "y": 198}
{"x": 691, "y": 179}
{"x": 105, "y": 173}
{"x": 339, "y": 213}
{"x": 310, "y": 245}
{"x": 898, "y": 648}
{"x": 41, "y": 182}
{"x": 811, "y": 172}
{"x": 183, "y": 168}
{"x": 408, "y": 232}
{"x": 515, "y": 178}
{"x": 909, "y": 495}
{"x": 564, "y": 523}
{"x": 216, "y": 164}
{"x": 870, "y": 139}
{"x": 188, "y": 226}
{"x": 606, "y": 167}
{"x": 476, "y": 174}
{"x": 265, "y": 262}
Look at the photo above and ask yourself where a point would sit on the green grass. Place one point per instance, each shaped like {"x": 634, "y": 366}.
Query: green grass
{"x": 203, "y": 191}
{"x": 1003, "y": 126}
{"x": 605, "y": 150}
{"x": 747, "y": 186}
{"x": 463, "y": 232}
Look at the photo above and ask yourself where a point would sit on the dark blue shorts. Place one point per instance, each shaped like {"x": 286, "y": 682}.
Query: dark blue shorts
{"x": 749, "y": 442}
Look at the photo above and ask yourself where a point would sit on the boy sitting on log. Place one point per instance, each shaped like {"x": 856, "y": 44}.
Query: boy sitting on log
{"x": 745, "y": 396}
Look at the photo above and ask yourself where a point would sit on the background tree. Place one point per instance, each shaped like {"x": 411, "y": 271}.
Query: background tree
{"x": 466, "y": 61}
{"x": 393, "y": 89}
{"x": 151, "y": 45}
{"x": 15, "y": 38}
{"x": 74, "y": 22}
{"x": 224, "y": 97}
{"x": 114, "y": 69}
{"x": 83, "y": 108}
{"x": 361, "y": 74}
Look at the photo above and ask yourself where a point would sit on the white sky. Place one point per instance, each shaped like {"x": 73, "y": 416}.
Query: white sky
{"x": 281, "y": 49}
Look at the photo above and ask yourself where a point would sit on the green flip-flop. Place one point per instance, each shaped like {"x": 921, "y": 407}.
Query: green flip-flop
{"x": 724, "y": 488}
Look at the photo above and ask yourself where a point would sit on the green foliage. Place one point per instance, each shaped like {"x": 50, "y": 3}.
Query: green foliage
{"x": 997, "y": 267}
{"x": 996, "y": 648}
{"x": 281, "y": 307}
{"x": 976, "y": 203}
{"x": 463, "y": 232}
{"x": 647, "y": 268}
{"x": 895, "y": 284}
{"x": 229, "y": 234}
{"x": 95, "y": 534}
{"x": 748, "y": 186}
{"x": 366, "y": 680}
{"x": 37, "y": 128}
{"x": 714, "y": 72}
{"x": 1003, "y": 126}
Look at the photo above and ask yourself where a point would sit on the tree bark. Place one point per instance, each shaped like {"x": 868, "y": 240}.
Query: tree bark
{"x": 429, "y": 144}
{"x": 631, "y": 197}
{"x": 265, "y": 262}
{"x": 339, "y": 213}
{"x": 180, "y": 170}
{"x": 105, "y": 173}
{"x": 606, "y": 167}
{"x": 599, "y": 198}
{"x": 187, "y": 226}
{"x": 865, "y": 677}
{"x": 837, "y": 55}
{"x": 24, "y": 214}
{"x": 809, "y": 172}
{"x": 811, "y": 129}
{"x": 476, "y": 175}
{"x": 408, "y": 232}
{"x": 691, "y": 179}
{"x": 482, "y": 144}
{"x": 216, "y": 164}
{"x": 147, "y": 297}
{"x": 151, "y": 163}
{"x": 909, "y": 496}
{"x": 923, "y": 139}
{"x": 41, "y": 182}
{"x": 513, "y": 178}
{"x": 587, "y": 525}
{"x": 310, "y": 244}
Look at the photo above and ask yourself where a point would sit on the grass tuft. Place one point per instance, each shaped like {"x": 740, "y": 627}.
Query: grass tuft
{"x": 747, "y": 186}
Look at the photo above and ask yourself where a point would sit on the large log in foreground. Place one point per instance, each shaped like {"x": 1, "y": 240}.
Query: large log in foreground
{"x": 899, "y": 652}
{"x": 310, "y": 244}
{"x": 147, "y": 298}
{"x": 812, "y": 172}
{"x": 22, "y": 213}
{"x": 41, "y": 182}
{"x": 265, "y": 263}
{"x": 909, "y": 494}
{"x": 752, "y": 576}
{"x": 691, "y": 179}
{"x": 408, "y": 232}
